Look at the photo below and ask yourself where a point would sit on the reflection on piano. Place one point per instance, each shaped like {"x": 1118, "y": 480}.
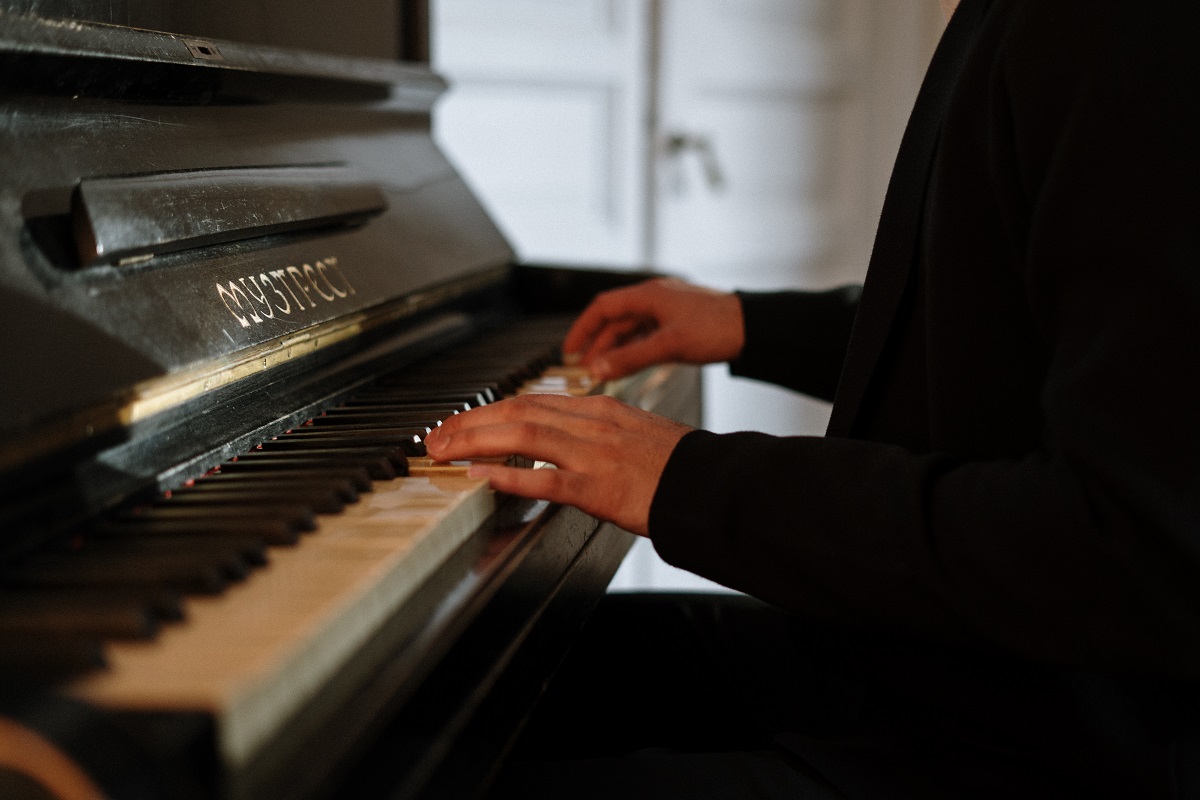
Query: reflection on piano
{"x": 237, "y": 287}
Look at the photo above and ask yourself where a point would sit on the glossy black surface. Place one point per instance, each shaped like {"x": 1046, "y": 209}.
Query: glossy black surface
{"x": 128, "y": 220}
{"x": 87, "y": 103}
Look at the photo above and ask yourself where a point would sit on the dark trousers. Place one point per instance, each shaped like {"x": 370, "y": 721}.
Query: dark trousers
{"x": 721, "y": 696}
{"x": 670, "y": 696}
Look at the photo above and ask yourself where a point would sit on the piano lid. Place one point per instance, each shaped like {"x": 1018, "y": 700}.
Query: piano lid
{"x": 176, "y": 212}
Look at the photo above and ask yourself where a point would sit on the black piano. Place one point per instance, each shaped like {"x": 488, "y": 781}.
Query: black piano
{"x": 238, "y": 284}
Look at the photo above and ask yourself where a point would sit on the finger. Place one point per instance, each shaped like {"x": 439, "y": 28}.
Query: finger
{"x": 529, "y": 424}
{"x": 532, "y": 440}
{"x": 559, "y": 486}
{"x": 546, "y": 409}
{"x": 555, "y": 485}
{"x": 656, "y": 348}
{"x": 631, "y": 301}
{"x": 611, "y": 336}
{"x": 603, "y": 310}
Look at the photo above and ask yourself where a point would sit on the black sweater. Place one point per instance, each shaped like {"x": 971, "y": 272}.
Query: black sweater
{"x": 1013, "y": 462}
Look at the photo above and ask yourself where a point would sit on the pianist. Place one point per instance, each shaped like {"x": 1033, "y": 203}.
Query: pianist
{"x": 984, "y": 581}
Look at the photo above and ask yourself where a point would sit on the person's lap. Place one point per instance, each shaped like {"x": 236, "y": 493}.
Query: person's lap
{"x": 722, "y": 696}
{"x": 670, "y": 695}
{"x": 744, "y": 775}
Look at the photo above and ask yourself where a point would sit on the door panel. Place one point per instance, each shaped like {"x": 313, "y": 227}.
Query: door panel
{"x": 547, "y": 119}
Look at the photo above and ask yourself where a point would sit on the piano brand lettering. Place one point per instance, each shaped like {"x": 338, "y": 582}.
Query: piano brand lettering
{"x": 284, "y": 292}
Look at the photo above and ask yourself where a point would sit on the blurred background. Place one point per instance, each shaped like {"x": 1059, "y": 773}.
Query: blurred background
{"x": 736, "y": 143}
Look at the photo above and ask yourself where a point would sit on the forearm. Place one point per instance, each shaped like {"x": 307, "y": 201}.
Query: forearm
{"x": 1020, "y": 556}
{"x": 797, "y": 339}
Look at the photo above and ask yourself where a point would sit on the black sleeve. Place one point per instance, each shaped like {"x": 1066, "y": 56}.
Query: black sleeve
{"x": 1086, "y": 551}
{"x": 797, "y": 339}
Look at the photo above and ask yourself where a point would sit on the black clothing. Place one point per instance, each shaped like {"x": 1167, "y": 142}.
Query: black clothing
{"x": 677, "y": 696}
{"x": 1012, "y": 471}
{"x": 722, "y": 696}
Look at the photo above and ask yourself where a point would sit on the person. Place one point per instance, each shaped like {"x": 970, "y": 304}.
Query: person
{"x": 984, "y": 580}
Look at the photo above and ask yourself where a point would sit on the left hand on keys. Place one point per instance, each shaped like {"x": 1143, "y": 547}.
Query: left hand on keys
{"x": 609, "y": 455}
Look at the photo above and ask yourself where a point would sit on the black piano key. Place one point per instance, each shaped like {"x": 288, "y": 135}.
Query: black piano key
{"x": 415, "y": 413}
{"x": 381, "y": 425}
{"x": 439, "y": 397}
{"x": 321, "y": 501}
{"x": 288, "y": 444}
{"x": 417, "y": 424}
{"x": 50, "y": 656}
{"x": 407, "y": 440}
{"x": 361, "y": 431}
{"x": 190, "y": 576}
{"x": 354, "y": 450}
{"x": 163, "y": 603}
{"x": 31, "y": 613}
{"x": 410, "y": 447}
{"x": 248, "y": 549}
{"x": 338, "y": 441}
{"x": 295, "y": 515}
{"x": 379, "y": 434}
{"x": 488, "y": 392}
{"x": 341, "y": 489}
{"x": 366, "y": 455}
{"x": 379, "y": 469}
{"x": 272, "y": 532}
{"x": 356, "y": 477}
{"x": 130, "y": 560}
{"x": 402, "y": 423}
{"x": 439, "y": 410}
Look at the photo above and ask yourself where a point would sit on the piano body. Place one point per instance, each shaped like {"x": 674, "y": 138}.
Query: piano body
{"x": 237, "y": 284}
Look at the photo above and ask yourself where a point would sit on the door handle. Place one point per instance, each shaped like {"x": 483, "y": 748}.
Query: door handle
{"x": 679, "y": 144}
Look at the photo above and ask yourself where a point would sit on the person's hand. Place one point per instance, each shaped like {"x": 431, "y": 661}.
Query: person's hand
{"x": 659, "y": 321}
{"x": 609, "y": 455}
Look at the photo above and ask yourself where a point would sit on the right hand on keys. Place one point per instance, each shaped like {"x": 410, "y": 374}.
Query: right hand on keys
{"x": 610, "y": 456}
{"x": 659, "y": 321}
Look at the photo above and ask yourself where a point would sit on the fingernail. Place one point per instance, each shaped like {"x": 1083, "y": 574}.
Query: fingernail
{"x": 599, "y": 369}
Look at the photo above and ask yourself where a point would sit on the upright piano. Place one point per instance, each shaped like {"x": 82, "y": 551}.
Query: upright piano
{"x": 238, "y": 284}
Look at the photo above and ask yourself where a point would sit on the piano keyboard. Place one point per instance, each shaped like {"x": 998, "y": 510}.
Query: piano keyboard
{"x": 288, "y": 558}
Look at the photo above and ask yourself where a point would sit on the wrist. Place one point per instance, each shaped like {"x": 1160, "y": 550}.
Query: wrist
{"x": 734, "y": 326}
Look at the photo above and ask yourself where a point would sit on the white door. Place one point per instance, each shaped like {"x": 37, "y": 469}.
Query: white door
{"x": 546, "y": 118}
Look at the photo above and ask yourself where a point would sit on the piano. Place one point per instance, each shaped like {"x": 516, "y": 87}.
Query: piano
{"x": 238, "y": 284}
